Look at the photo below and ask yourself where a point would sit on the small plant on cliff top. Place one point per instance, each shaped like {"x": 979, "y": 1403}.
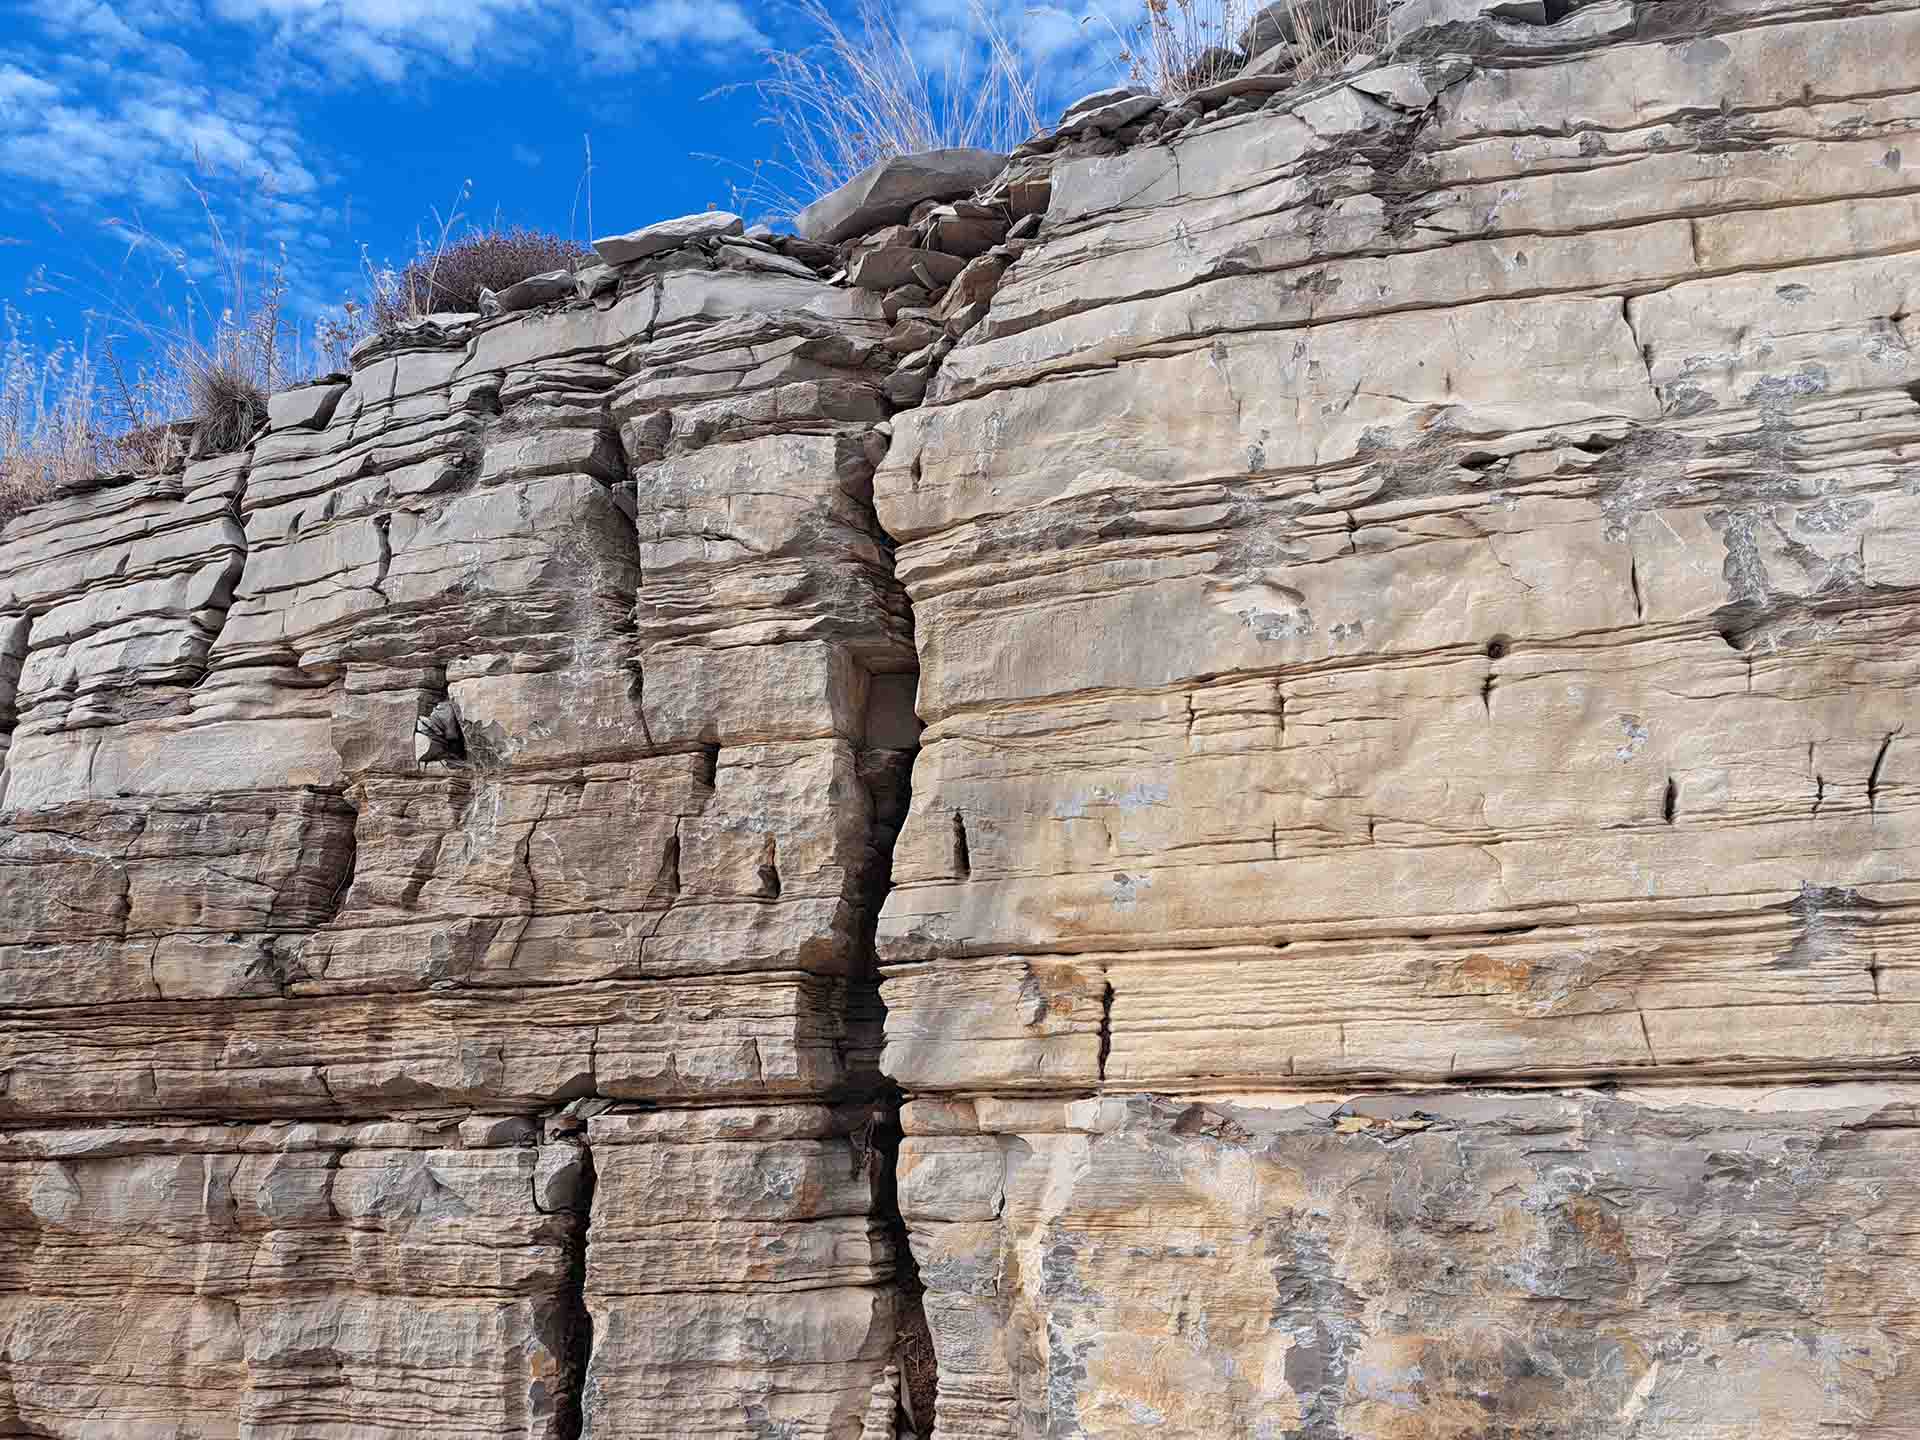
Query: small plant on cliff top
{"x": 451, "y": 265}
{"x": 46, "y": 419}
{"x": 862, "y": 92}
{"x": 451, "y": 279}
{"x": 227, "y": 406}
{"x": 1179, "y": 46}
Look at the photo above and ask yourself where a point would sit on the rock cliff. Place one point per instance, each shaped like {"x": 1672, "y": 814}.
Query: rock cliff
{"x": 1398, "y": 923}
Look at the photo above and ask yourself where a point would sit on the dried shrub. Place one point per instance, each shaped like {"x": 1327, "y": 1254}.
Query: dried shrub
{"x": 143, "y": 450}
{"x": 227, "y": 406}
{"x": 449, "y": 275}
{"x": 206, "y": 350}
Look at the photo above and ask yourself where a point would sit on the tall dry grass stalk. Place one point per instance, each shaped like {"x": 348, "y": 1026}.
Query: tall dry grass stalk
{"x": 861, "y": 93}
{"x": 48, "y": 397}
{"x": 1180, "y": 46}
{"x": 178, "y": 333}
{"x": 1330, "y": 34}
{"x": 204, "y": 334}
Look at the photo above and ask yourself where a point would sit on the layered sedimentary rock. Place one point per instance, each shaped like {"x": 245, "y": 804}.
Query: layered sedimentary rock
{"x": 1414, "y": 587}
{"x": 1401, "y": 919}
{"x": 508, "y": 733}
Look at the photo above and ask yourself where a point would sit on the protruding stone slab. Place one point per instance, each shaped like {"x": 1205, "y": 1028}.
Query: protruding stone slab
{"x": 1097, "y": 100}
{"x": 308, "y": 408}
{"x": 888, "y": 269}
{"x": 887, "y": 190}
{"x": 667, "y": 235}
{"x": 542, "y": 289}
{"x": 1105, "y": 119}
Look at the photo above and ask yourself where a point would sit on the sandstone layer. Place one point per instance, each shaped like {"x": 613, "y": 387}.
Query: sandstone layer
{"x": 1399, "y": 924}
{"x": 386, "y": 803}
{"x": 1414, "y": 588}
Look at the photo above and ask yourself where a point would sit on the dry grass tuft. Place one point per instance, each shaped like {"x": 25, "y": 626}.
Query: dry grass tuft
{"x": 47, "y": 432}
{"x": 196, "y": 338}
{"x": 1179, "y": 46}
{"x": 227, "y": 406}
{"x": 451, "y": 276}
{"x": 860, "y": 93}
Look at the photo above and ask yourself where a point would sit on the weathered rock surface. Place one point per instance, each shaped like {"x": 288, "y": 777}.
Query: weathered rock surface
{"x": 378, "y": 798}
{"x": 1399, "y": 926}
{"x": 667, "y": 235}
{"x": 1420, "y": 594}
{"x": 887, "y": 190}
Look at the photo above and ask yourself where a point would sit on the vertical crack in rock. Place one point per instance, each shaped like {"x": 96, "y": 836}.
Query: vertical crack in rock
{"x": 382, "y": 526}
{"x": 769, "y": 869}
{"x": 211, "y": 619}
{"x": 348, "y": 863}
{"x": 1670, "y": 806}
{"x": 1106, "y": 1030}
{"x": 571, "y": 1412}
{"x": 1873, "y": 776}
{"x": 1645, "y": 349}
{"x": 962, "y": 857}
{"x": 1496, "y": 652}
{"x": 668, "y": 886}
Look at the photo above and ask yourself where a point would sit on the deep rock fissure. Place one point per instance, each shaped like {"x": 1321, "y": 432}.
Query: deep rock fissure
{"x": 578, "y": 1318}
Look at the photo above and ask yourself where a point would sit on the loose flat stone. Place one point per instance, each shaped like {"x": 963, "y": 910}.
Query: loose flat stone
{"x": 1397, "y": 85}
{"x": 667, "y": 235}
{"x": 536, "y": 290}
{"x": 886, "y": 191}
{"x": 890, "y": 268}
{"x": 1343, "y": 111}
{"x": 1098, "y": 100}
{"x": 308, "y": 408}
{"x": 1108, "y": 118}
{"x": 757, "y": 257}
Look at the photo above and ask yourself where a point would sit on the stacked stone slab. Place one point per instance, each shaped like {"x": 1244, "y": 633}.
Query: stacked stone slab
{"x": 416, "y": 825}
{"x": 1416, "y": 593}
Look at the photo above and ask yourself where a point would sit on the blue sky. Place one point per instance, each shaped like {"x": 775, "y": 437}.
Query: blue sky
{"x": 325, "y": 126}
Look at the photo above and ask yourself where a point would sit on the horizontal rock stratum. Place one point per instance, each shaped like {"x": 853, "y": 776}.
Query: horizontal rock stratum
{"x": 1257, "y": 782}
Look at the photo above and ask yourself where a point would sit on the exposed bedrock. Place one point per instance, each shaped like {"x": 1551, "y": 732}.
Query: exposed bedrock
{"x": 1400, "y": 923}
{"x": 441, "y": 856}
{"x": 1415, "y": 593}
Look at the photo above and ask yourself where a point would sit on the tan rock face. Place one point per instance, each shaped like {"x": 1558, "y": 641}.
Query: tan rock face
{"x": 388, "y": 802}
{"x": 1449, "y": 1265}
{"x": 1399, "y": 926}
{"x": 1421, "y": 601}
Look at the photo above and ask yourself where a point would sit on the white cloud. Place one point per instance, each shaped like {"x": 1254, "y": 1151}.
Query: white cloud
{"x": 20, "y": 91}
{"x": 636, "y": 37}
{"x": 384, "y": 38}
{"x": 149, "y": 142}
